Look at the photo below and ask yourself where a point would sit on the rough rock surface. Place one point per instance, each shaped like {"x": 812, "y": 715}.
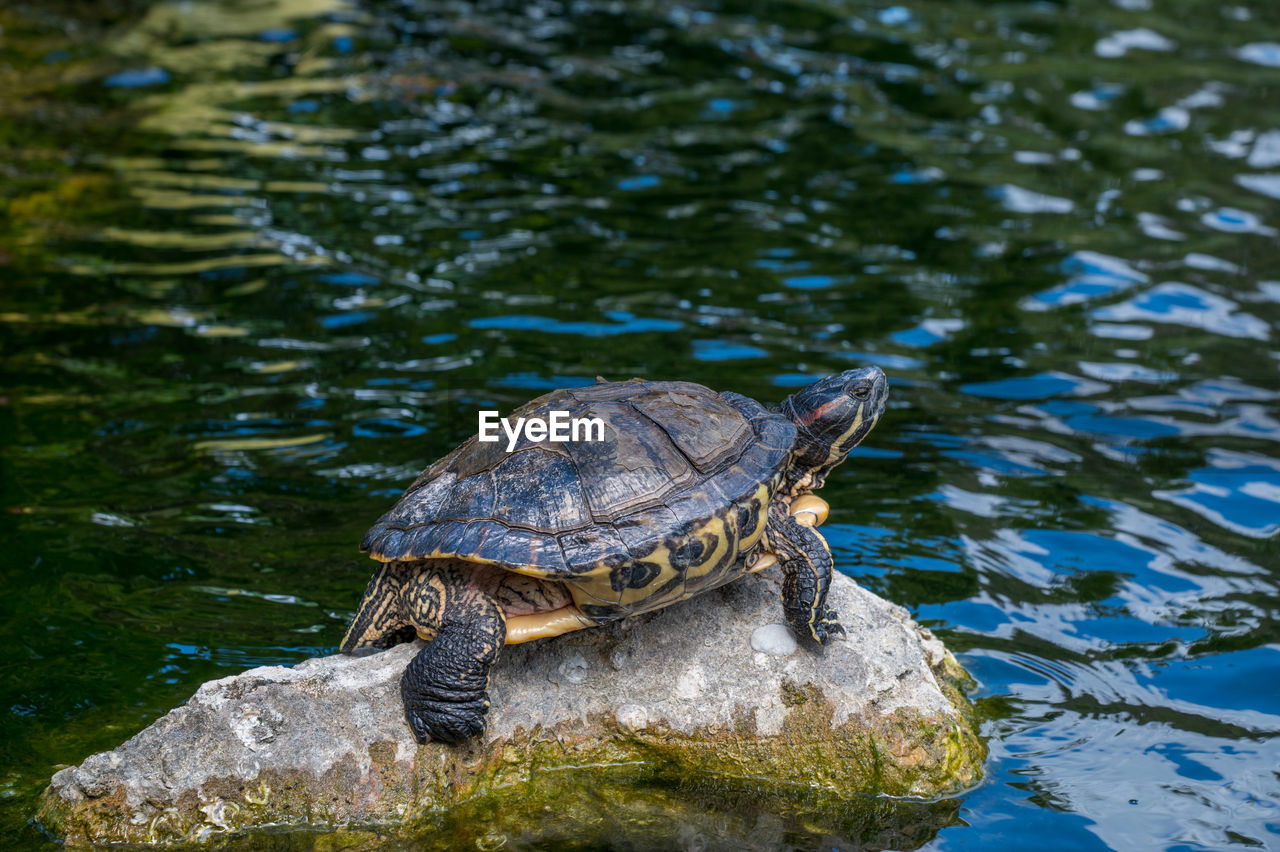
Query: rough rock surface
{"x": 711, "y": 688}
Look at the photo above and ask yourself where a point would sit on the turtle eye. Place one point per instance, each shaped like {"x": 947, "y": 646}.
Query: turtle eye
{"x": 859, "y": 392}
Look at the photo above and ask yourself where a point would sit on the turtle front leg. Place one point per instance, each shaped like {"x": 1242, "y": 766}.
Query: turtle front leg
{"x": 445, "y": 687}
{"x": 806, "y": 568}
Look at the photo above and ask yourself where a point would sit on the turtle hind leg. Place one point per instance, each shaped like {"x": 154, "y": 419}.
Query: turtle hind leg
{"x": 445, "y": 687}
{"x": 378, "y": 622}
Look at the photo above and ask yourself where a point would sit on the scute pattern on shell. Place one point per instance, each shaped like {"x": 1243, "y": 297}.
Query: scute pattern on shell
{"x": 657, "y": 511}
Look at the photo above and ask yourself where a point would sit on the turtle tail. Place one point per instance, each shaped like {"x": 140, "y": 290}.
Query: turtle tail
{"x": 379, "y": 622}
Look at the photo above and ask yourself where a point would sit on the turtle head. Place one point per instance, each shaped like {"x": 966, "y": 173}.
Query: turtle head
{"x": 832, "y": 416}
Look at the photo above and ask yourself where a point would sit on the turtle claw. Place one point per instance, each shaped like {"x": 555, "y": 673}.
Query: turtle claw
{"x": 444, "y": 724}
{"x": 827, "y": 628}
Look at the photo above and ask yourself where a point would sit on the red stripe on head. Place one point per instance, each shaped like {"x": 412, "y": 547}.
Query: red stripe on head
{"x": 821, "y": 411}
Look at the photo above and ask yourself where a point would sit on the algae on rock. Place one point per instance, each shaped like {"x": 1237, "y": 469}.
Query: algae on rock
{"x": 669, "y": 708}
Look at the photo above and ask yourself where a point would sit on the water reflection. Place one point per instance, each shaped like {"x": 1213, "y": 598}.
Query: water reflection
{"x": 311, "y": 237}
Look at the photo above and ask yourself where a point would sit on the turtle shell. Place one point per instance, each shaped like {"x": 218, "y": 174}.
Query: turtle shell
{"x": 657, "y": 511}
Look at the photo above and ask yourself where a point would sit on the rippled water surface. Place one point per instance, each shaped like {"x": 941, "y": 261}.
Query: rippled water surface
{"x": 261, "y": 262}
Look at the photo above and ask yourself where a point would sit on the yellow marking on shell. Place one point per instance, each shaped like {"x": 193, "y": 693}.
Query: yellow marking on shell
{"x": 582, "y": 591}
{"x": 544, "y": 625}
{"x": 666, "y": 573}
{"x": 763, "y": 561}
{"x": 594, "y": 587}
{"x": 810, "y": 510}
{"x": 723, "y": 532}
{"x": 724, "y": 528}
{"x": 761, "y": 498}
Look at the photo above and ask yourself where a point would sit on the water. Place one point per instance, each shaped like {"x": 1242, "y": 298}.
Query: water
{"x": 263, "y": 262}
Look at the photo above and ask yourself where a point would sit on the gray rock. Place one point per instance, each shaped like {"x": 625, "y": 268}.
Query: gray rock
{"x": 702, "y": 690}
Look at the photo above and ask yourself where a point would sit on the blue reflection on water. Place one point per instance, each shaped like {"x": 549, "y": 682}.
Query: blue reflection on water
{"x": 137, "y": 78}
{"x": 917, "y": 562}
{"x": 894, "y": 16}
{"x": 812, "y": 282}
{"x": 794, "y": 380}
{"x": 1124, "y": 427}
{"x": 1039, "y": 386}
{"x": 993, "y": 462}
{"x": 534, "y": 381}
{"x": 725, "y": 107}
{"x": 885, "y": 360}
{"x": 1188, "y": 767}
{"x": 1184, "y": 304}
{"x": 874, "y": 453}
{"x": 639, "y": 182}
{"x": 400, "y": 381}
{"x": 927, "y": 333}
{"x": 1090, "y": 275}
{"x": 916, "y": 337}
{"x": 1241, "y": 492}
{"x": 624, "y": 323}
{"x": 965, "y": 615}
{"x": 1127, "y": 629}
{"x": 385, "y": 427}
{"x": 725, "y": 350}
{"x": 1079, "y": 551}
{"x": 778, "y": 265}
{"x": 1243, "y": 681}
{"x": 346, "y": 319}
{"x": 347, "y": 279}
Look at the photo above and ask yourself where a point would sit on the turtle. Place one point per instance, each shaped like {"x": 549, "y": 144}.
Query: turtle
{"x": 500, "y": 543}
